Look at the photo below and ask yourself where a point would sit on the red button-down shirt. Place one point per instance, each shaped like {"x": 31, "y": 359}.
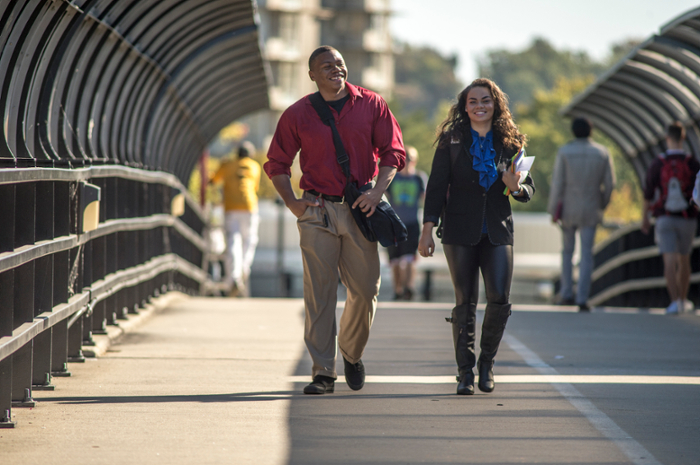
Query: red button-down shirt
{"x": 367, "y": 128}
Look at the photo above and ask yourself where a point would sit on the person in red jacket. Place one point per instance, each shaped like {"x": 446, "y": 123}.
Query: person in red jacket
{"x": 332, "y": 244}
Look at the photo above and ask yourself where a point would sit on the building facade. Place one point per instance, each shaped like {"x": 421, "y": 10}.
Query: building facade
{"x": 291, "y": 29}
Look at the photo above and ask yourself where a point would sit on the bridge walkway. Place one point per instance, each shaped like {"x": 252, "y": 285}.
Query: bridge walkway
{"x": 218, "y": 381}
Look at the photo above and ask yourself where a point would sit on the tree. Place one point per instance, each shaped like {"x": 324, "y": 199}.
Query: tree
{"x": 547, "y": 131}
{"x": 424, "y": 78}
{"x": 539, "y": 67}
{"x": 419, "y": 131}
{"x": 425, "y": 85}
{"x": 540, "y": 80}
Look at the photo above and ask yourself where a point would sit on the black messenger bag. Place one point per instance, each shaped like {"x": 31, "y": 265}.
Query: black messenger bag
{"x": 384, "y": 225}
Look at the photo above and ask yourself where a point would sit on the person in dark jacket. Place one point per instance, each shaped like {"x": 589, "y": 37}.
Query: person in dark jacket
{"x": 472, "y": 181}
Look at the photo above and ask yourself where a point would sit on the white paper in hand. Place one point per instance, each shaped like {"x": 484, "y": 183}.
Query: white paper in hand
{"x": 524, "y": 164}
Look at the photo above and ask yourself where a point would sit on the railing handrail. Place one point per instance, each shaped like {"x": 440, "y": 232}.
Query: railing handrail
{"x": 100, "y": 290}
{"x": 22, "y": 175}
{"x": 27, "y": 253}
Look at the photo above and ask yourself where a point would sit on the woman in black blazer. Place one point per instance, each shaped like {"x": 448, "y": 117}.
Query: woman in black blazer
{"x": 468, "y": 181}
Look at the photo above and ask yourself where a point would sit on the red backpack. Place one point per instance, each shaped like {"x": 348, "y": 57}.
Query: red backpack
{"x": 677, "y": 183}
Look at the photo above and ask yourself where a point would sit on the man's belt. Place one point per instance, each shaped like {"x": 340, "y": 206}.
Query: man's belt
{"x": 330, "y": 198}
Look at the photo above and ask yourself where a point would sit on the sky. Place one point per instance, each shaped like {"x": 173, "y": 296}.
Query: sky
{"x": 467, "y": 28}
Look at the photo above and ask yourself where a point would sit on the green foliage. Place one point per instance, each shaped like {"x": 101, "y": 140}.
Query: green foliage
{"x": 424, "y": 78}
{"x": 540, "y": 81}
{"x": 621, "y": 50}
{"x": 539, "y": 67}
{"x": 546, "y": 131}
{"x": 419, "y": 130}
{"x": 425, "y": 85}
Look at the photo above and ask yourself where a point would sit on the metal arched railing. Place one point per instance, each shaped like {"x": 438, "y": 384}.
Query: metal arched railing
{"x": 107, "y": 106}
{"x": 656, "y": 84}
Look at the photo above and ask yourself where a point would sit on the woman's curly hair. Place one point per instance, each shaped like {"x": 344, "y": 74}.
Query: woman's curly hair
{"x": 457, "y": 121}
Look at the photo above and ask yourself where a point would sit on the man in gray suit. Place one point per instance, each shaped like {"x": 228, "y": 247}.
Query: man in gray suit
{"x": 582, "y": 183}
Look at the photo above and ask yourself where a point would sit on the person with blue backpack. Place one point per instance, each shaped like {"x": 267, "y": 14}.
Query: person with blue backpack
{"x": 667, "y": 194}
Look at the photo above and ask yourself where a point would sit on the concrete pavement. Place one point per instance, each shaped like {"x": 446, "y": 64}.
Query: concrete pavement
{"x": 202, "y": 382}
{"x": 219, "y": 381}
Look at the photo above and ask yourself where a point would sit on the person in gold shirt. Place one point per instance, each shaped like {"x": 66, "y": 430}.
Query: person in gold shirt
{"x": 241, "y": 180}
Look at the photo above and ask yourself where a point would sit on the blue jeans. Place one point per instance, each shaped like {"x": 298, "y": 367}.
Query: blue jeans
{"x": 585, "y": 268}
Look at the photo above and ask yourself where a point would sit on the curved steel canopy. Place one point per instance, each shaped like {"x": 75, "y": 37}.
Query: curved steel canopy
{"x": 141, "y": 83}
{"x": 657, "y": 83}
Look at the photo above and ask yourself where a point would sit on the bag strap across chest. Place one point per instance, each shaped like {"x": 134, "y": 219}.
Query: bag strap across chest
{"x": 324, "y": 112}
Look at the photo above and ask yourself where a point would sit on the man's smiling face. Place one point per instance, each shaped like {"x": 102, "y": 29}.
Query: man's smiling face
{"x": 329, "y": 72}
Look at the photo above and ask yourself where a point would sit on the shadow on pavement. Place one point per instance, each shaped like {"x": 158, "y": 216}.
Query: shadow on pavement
{"x": 232, "y": 397}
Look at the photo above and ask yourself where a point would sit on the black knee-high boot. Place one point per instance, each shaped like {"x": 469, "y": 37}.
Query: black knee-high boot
{"x": 492, "y": 330}
{"x": 463, "y": 334}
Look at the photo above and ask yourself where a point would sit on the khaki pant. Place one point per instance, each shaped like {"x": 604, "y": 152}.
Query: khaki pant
{"x": 332, "y": 246}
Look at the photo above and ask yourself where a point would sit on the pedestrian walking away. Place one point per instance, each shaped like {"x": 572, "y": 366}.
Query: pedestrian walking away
{"x": 241, "y": 179}
{"x": 582, "y": 183}
{"x": 476, "y": 145}
{"x": 332, "y": 245}
{"x": 406, "y": 193}
{"x": 667, "y": 194}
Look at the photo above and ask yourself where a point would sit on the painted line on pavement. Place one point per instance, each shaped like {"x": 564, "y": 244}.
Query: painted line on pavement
{"x": 631, "y": 448}
{"x": 528, "y": 379}
{"x": 418, "y": 305}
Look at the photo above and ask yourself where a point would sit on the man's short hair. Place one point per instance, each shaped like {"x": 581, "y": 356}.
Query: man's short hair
{"x": 581, "y": 127}
{"x": 675, "y": 131}
{"x": 246, "y": 149}
{"x": 321, "y": 50}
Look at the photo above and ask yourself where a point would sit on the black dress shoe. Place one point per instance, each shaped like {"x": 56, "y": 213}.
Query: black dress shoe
{"x": 354, "y": 374}
{"x": 466, "y": 384}
{"x": 584, "y": 308}
{"x": 485, "y": 369}
{"x": 320, "y": 385}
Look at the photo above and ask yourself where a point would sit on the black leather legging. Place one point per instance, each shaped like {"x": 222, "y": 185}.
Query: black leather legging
{"x": 496, "y": 264}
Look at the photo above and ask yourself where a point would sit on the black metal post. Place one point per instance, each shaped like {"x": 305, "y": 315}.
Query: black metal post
{"x": 59, "y": 352}
{"x": 75, "y": 342}
{"x": 41, "y": 358}
{"x": 22, "y": 376}
{"x": 428, "y": 285}
{"x": 7, "y": 290}
{"x": 7, "y": 213}
{"x": 6, "y": 393}
{"x": 283, "y": 279}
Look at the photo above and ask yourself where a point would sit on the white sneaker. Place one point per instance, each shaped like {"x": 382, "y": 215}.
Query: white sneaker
{"x": 672, "y": 309}
{"x": 688, "y": 306}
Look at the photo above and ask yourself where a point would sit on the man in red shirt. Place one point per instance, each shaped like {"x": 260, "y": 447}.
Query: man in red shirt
{"x": 331, "y": 243}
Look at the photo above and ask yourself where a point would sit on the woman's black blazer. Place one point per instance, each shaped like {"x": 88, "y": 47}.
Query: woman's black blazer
{"x": 468, "y": 202}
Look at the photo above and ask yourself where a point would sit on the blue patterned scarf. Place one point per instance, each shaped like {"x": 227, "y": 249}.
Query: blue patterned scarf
{"x": 483, "y": 155}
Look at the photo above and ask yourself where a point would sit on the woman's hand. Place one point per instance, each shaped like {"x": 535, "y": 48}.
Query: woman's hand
{"x": 511, "y": 180}
{"x": 426, "y": 244}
